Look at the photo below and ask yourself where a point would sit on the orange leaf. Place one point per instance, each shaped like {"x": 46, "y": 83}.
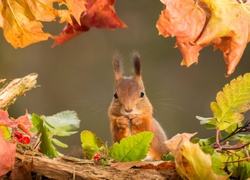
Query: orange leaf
{"x": 99, "y": 13}
{"x": 76, "y": 8}
{"x": 196, "y": 24}
{"x": 7, "y": 155}
{"x": 229, "y": 22}
{"x": 19, "y": 24}
{"x": 42, "y": 10}
{"x": 185, "y": 20}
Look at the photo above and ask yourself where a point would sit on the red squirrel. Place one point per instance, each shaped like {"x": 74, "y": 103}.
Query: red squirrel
{"x": 131, "y": 112}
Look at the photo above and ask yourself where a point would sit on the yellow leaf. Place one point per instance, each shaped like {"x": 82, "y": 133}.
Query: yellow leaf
{"x": 190, "y": 161}
{"x": 19, "y": 24}
{"x": 76, "y": 8}
{"x": 228, "y": 29}
{"x": 42, "y": 9}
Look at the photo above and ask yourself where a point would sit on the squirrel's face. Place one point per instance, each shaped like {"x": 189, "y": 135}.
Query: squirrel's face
{"x": 130, "y": 96}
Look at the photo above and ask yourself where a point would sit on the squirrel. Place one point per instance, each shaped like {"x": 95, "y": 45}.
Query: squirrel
{"x": 131, "y": 112}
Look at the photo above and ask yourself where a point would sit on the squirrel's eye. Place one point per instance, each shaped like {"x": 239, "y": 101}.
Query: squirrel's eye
{"x": 115, "y": 95}
{"x": 142, "y": 95}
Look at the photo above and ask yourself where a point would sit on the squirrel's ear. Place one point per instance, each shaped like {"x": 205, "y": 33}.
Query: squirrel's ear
{"x": 117, "y": 65}
{"x": 137, "y": 63}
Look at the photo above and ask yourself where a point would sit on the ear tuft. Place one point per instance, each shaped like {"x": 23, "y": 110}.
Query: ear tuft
{"x": 136, "y": 63}
{"x": 117, "y": 65}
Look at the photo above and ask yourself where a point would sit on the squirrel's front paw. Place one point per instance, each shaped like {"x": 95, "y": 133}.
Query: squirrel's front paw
{"x": 135, "y": 119}
{"x": 122, "y": 122}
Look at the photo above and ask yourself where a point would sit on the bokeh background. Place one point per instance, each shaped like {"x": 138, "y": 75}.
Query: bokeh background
{"x": 78, "y": 75}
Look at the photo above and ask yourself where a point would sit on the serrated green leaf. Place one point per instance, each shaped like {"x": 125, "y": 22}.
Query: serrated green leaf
{"x": 132, "y": 148}
{"x": 63, "y": 123}
{"x": 232, "y": 102}
{"x": 59, "y": 143}
{"x": 91, "y": 144}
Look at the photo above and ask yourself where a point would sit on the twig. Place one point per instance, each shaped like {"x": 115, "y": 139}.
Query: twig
{"x": 15, "y": 88}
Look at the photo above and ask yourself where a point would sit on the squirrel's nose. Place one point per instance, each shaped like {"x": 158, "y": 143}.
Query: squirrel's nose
{"x": 128, "y": 110}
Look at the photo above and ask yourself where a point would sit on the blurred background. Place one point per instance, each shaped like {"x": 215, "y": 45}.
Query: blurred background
{"x": 78, "y": 75}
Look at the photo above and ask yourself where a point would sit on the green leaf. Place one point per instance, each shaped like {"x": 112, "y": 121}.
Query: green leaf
{"x": 217, "y": 164}
{"x": 232, "y": 102}
{"x": 59, "y": 143}
{"x": 210, "y": 123}
{"x": 46, "y": 145}
{"x": 61, "y": 124}
{"x": 207, "y": 150}
{"x": 168, "y": 157}
{"x": 132, "y": 148}
{"x": 91, "y": 144}
{"x": 245, "y": 138}
{"x": 64, "y": 123}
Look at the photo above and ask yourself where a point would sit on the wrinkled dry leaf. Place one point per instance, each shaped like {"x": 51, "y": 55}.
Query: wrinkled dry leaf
{"x": 190, "y": 161}
{"x": 99, "y": 14}
{"x": 197, "y": 24}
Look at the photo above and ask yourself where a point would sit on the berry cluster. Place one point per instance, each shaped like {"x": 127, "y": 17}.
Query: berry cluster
{"x": 24, "y": 139}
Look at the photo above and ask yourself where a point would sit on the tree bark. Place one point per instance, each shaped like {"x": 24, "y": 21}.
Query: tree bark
{"x": 65, "y": 168}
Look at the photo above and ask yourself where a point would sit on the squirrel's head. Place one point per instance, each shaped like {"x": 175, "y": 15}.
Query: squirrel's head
{"x": 129, "y": 94}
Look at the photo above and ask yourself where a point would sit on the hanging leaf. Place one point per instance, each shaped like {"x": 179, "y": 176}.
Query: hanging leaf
{"x": 99, "y": 14}
{"x": 197, "y": 24}
{"x": 22, "y": 20}
{"x": 132, "y": 148}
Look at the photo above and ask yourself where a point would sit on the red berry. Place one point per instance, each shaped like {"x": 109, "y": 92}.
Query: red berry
{"x": 97, "y": 157}
{"x": 18, "y": 135}
{"x": 25, "y": 139}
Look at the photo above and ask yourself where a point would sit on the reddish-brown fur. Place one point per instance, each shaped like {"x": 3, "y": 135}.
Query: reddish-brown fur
{"x": 131, "y": 112}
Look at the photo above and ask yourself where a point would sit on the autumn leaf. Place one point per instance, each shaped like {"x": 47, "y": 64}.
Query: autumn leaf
{"x": 185, "y": 20}
{"x": 197, "y": 24}
{"x": 25, "y": 124}
{"x": 19, "y": 25}
{"x": 76, "y": 8}
{"x": 229, "y": 22}
{"x": 99, "y": 14}
{"x": 4, "y": 119}
{"x": 190, "y": 161}
{"x": 7, "y": 155}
